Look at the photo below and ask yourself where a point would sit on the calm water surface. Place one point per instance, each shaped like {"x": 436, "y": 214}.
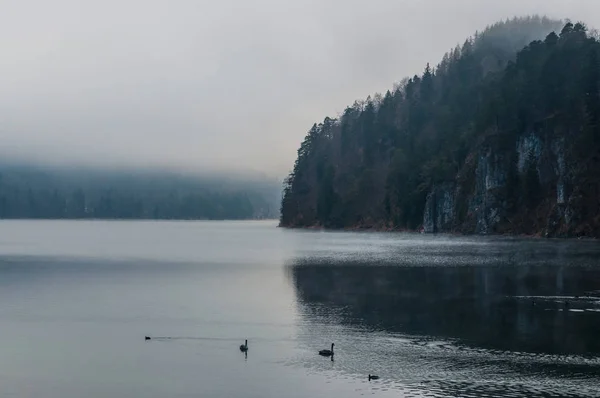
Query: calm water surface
{"x": 434, "y": 316}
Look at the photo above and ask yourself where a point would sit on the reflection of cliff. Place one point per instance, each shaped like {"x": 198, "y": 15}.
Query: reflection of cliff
{"x": 476, "y": 305}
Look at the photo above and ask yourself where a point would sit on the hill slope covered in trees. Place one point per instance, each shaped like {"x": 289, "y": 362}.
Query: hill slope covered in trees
{"x": 501, "y": 137}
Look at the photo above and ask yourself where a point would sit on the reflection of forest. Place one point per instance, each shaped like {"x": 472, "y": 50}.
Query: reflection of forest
{"x": 475, "y": 304}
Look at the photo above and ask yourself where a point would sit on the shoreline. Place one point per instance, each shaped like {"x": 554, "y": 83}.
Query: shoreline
{"x": 538, "y": 235}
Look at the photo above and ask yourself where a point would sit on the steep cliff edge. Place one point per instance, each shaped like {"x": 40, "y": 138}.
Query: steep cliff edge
{"x": 479, "y": 200}
{"x": 483, "y": 202}
{"x": 501, "y": 137}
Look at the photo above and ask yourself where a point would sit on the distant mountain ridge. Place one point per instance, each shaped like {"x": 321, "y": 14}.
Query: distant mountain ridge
{"x": 68, "y": 193}
{"x": 503, "y": 136}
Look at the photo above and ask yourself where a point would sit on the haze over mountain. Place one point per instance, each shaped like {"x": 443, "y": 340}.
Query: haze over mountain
{"x": 204, "y": 85}
{"x": 28, "y": 191}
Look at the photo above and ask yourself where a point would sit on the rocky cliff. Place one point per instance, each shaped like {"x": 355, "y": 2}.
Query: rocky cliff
{"x": 479, "y": 203}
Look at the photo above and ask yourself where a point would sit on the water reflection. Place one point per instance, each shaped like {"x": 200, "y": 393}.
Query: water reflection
{"x": 495, "y": 327}
{"x": 535, "y": 309}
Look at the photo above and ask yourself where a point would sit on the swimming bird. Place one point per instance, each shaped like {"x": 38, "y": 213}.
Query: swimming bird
{"x": 244, "y": 347}
{"x": 147, "y": 338}
{"x": 327, "y": 353}
{"x": 373, "y": 377}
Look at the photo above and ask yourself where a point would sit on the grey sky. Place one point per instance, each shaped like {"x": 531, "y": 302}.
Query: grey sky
{"x": 223, "y": 84}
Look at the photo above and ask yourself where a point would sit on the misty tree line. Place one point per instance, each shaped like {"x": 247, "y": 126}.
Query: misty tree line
{"x": 375, "y": 163}
{"x": 32, "y": 195}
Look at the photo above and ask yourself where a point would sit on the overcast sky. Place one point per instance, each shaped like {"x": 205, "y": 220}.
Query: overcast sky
{"x": 220, "y": 84}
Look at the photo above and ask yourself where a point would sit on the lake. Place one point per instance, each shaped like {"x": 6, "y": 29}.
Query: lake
{"x": 433, "y": 316}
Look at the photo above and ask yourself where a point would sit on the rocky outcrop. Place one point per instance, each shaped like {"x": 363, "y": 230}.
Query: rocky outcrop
{"x": 478, "y": 201}
{"x": 487, "y": 203}
{"x": 439, "y": 209}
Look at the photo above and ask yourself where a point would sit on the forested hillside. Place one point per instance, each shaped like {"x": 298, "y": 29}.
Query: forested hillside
{"x": 31, "y": 192}
{"x": 502, "y": 136}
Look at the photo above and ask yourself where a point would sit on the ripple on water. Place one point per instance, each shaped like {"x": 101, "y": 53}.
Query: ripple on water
{"x": 421, "y": 366}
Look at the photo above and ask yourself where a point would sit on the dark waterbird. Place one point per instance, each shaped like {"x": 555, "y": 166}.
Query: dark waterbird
{"x": 327, "y": 353}
{"x": 244, "y": 347}
{"x": 147, "y": 338}
{"x": 373, "y": 377}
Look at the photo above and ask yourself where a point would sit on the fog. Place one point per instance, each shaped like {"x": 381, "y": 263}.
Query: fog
{"x": 214, "y": 85}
